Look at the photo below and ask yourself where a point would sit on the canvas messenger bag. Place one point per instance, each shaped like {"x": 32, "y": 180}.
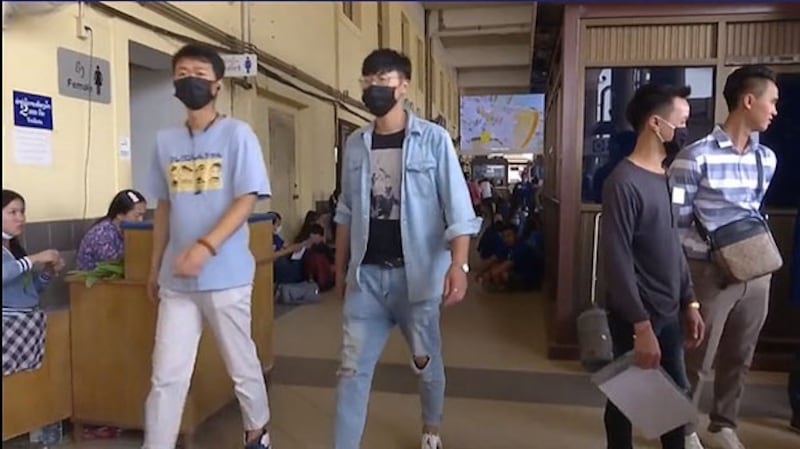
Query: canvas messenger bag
{"x": 744, "y": 249}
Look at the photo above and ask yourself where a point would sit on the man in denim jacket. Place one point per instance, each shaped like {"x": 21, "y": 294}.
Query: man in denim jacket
{"x": 404, "y": 223}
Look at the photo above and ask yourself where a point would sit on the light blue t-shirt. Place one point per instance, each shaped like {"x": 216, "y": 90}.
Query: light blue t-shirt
{"x": 201, "y": 174}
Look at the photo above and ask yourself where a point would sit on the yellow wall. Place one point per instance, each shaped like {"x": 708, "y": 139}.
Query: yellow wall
{"x": 314, "y": 37}
{"x": 445, "y": 90}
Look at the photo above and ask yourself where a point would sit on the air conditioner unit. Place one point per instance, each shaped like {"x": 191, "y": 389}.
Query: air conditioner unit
{"x": 11, "y": 9}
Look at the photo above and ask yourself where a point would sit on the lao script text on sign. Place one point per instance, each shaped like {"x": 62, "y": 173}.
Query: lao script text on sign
{"x": 240, "y": 66}
{"x": 33, "y": 111}
{"x": 84, "y": 76}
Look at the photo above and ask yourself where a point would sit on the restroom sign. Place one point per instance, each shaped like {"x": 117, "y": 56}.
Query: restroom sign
{"x": 240, "y": 66}
{"x": 33, "y": 111}
{"x": 84, "y": 76}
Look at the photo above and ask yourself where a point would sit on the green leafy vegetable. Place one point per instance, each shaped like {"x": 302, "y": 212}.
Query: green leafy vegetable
{"x": 110, "y": 270}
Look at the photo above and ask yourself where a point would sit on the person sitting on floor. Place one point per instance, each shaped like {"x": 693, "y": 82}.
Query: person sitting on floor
{"x": 287, "y": 269}
{"x": 277, "y": 238}
{"x": 513, "y": 267}
{"x": 318, "y": 260}
{"x": 491, "y": 242}
{"x": 104, "y": 240}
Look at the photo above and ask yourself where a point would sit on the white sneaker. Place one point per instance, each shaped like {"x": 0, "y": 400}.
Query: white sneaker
{"x": 693, "y": 442}
{"x": 430, "y": 441}
{"x": 725, "y": 439}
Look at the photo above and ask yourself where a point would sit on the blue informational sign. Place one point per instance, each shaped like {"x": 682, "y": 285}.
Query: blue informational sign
{"x": 33, "y": 111}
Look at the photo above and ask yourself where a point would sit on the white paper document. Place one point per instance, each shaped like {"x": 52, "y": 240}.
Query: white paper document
{"x": 648, "y": 398}
{"x": 33, "y": 146}
{"x": 298, "y": 255}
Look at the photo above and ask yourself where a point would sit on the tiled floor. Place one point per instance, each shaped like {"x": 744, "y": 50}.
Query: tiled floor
{"x": 502, "y": 391}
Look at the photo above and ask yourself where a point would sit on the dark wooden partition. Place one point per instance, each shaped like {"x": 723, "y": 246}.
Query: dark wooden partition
{"x": 665, "y": 39}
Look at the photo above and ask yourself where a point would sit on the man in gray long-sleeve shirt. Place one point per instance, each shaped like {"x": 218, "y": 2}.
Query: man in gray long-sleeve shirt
{"x": 644, "y": 263}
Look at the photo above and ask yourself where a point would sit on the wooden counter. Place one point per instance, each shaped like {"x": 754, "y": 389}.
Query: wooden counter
{"x": 33, "y": 399}
{"x": 113, "y": 329}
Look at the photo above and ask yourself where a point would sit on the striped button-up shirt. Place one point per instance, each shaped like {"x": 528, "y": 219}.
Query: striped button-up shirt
{"x": 713, "y": 182}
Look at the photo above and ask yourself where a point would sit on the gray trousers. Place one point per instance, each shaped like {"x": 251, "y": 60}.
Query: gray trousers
{"x": 734, "y": 316}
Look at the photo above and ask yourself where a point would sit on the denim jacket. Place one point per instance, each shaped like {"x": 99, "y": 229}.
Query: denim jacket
{"x": 435, "y": 205}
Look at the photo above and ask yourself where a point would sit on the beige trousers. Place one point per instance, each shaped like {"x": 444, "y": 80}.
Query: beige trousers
{"x": 734, "y": 316}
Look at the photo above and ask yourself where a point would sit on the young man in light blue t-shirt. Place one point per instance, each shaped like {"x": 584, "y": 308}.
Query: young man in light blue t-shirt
{"x": 206, "y": 176}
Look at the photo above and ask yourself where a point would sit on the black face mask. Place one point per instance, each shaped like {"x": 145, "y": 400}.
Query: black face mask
{"x": 679, "y": 139}
{"x": 194, "y": 93}
{"x": 379, "y": 99}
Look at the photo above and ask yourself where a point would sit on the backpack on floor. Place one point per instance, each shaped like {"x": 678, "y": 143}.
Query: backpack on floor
{"x": 297, "y": 293}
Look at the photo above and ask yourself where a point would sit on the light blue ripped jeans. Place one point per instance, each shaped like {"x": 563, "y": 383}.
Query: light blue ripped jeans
{"x": 371, "y": 310}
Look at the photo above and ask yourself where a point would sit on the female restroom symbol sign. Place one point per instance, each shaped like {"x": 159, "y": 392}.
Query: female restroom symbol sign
{"x": 83, "y": 76}
{"x": 240, "y": 66}
{"x": 97, "y": 76}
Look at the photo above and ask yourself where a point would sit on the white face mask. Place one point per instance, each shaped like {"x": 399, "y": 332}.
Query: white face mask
{"x": 7, "y": 236}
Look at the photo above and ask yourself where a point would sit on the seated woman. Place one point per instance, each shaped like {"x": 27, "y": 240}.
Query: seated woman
{"x": 286, "y": 269}
{"x": 24, "y": 278}
{"x": 312, "y": 224}
{"x": 103, "y": 242}
{"x": 311, "y": 218}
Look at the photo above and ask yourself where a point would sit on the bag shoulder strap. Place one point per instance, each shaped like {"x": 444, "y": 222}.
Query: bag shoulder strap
{"x": 760, "y": 185}
{"x": 595, "y": 250}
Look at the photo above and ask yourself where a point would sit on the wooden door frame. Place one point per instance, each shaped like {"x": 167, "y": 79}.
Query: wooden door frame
{"x": 343, "y": 130}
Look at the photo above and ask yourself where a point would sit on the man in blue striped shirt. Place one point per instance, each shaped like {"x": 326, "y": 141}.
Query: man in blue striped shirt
{"x": 715, "y": 181}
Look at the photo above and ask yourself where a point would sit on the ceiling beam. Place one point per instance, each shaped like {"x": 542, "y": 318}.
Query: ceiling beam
{"x": 495, "y": 90}
{"x": 486, "y": 17}
{"x": 484, "y": 30}
{"x": 495, "y": 78}
{"x": 465, "y": 5}
{"x": 486, "y": 56}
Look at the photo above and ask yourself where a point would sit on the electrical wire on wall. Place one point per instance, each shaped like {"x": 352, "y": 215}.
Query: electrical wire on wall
{"x": 263, "y": 68}
{"x": 87, "y": 155}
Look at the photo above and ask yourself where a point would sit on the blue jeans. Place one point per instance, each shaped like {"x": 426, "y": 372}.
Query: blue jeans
{"x": 371, "y": 310}
{"x": 619, "y": 434}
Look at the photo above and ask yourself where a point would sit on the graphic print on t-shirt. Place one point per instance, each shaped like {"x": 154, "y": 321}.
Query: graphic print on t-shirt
{"x": 386, "y": 157}
{"x": 386, "y": 176}
{"x": 198, "y": 173}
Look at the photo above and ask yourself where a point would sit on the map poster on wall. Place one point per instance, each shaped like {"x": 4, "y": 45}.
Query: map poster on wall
{"x": 502, "y": 124}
